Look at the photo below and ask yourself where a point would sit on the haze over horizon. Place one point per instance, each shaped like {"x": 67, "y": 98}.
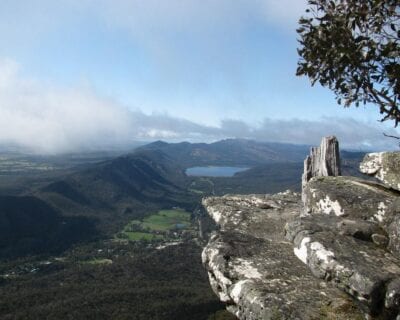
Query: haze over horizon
{"x": 88, "y": 74}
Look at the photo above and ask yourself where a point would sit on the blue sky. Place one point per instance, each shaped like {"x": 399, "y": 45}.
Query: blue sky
{"x": 79, "y": 74}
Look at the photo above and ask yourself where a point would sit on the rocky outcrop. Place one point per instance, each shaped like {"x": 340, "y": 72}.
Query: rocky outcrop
{"x": 333, "y": 254}
{"x": 342, "y": 251}
{"x": 252, "y": 268}
{"x": 349, "y": 197}
{"x": 385, "y": 166}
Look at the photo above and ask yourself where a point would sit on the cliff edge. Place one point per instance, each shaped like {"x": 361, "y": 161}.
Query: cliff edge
{"x": 331, "y": 252}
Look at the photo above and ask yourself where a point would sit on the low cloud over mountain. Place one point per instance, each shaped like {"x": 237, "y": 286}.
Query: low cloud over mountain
{"x": 49, "y": 119}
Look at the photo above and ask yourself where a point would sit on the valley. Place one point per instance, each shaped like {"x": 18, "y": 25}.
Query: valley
{"x": 118, "y": 237}
{"x": 165, "y": 225}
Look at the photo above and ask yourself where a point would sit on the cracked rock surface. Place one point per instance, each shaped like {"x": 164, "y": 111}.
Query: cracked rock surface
{"x": 351, "y": 260}
{"x": 358, "y": 200}
{"x": 349, "y": 197}
{"x": 333, "y": 254}
{"x": 252, "y": 266}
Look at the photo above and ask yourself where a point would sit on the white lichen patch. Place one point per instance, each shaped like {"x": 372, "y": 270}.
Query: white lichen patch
{"x": 223, "y": 295}
{"x": 215, "y": 214}
{"x": 328, "y": 206}
{"x": 380, "y": 215}
{"x": 301, "y": 252}
{"x": 237, "y": 290}
{"x": 371, "y": 163}
{"x": 204, "y": 257}
{"x": 284, "y": 193}
{"x": 313, "y": 192}
{"x": 321, "y": 252}
{"x": 210, "y": 255}
{"x": 255, "y": 200}
{"x": 246, "y": 269}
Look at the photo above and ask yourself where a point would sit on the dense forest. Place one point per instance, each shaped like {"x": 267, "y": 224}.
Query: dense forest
{"x": 84, "y": 240}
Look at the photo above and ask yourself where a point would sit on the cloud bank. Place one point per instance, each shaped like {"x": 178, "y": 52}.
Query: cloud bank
{"x": 44, "y": 118}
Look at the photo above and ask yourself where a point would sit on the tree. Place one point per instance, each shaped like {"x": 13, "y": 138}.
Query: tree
{"x": 353, "y": 48}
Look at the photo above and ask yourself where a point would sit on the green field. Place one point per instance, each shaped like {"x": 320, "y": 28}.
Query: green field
{"x": 150, "y": 227}
{"x": 167, "y": 220}
{"x": 135, "y": 236}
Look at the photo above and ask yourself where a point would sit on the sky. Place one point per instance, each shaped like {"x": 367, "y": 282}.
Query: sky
{"x": 91, "y": 74}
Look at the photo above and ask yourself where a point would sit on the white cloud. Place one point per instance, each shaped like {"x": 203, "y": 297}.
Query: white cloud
{"x": 351, "y": 133}
{"x": 50, "y": 119}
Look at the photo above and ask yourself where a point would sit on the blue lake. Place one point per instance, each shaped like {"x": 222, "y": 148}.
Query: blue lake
{"x": 212, "y": 171}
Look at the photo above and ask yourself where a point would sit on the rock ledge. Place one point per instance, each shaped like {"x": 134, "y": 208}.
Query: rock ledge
{"x": 252, "y": 266}
{"x": 332, "y": 252}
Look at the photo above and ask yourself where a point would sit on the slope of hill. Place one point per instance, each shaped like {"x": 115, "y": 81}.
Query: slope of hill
{"x": 30, "y": 226}
{"x": 107, "y": 195}
{"x": 57, "y": 232}
{"x": 117, "y": 190}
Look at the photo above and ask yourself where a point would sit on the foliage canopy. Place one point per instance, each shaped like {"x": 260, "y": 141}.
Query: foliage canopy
{"x": 353, "y": 48}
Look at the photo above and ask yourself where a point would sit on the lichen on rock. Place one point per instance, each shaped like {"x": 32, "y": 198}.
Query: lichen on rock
{"x": 334, "y": 253}
{"x": 385, "y": 166}
{"x": 252, "y": 267}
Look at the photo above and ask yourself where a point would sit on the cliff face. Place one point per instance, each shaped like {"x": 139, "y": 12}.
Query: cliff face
{"x": 332, "y": 255}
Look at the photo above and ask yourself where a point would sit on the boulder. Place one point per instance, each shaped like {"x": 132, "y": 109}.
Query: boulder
{"x": 385, "y": 166}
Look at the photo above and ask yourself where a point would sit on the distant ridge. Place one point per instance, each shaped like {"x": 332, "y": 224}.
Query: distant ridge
{"x": 99, "y": 198}
{"x": 230, "y": 152}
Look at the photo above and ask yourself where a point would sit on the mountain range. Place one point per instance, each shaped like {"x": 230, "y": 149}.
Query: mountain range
{"x": 61, "y": 219}
{"x": 97, "y": 199}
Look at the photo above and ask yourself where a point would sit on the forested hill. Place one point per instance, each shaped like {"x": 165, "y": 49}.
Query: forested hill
{"x": 99, "y": 199}
{"x": 230, "y": 152}
{"x": 127, "y": 186}
{"x": 91, "y": 203}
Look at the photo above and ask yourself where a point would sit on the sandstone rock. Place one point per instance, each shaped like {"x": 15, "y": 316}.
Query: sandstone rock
{"x": 380, "y": 240}
{"x": 393, "y": 231}
{"x": 252, "y": 266}
{"x": 363, "y": 230}
{"x": 358, "y": 267}
{"x": 359, "y": 200}
{"x": 385, "y": 166}
{"x": 346, "y": 231}
{"x": 359, "y": 229}
{"x": 349, "y": 197}
{"x": 392, "y": 299}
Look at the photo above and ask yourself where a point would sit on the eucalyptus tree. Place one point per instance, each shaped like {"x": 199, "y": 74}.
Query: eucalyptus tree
{"x": 353, "y": 48}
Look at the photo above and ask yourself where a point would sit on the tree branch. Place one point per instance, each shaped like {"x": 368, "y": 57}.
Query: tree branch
{"x": 390, "y": 136}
